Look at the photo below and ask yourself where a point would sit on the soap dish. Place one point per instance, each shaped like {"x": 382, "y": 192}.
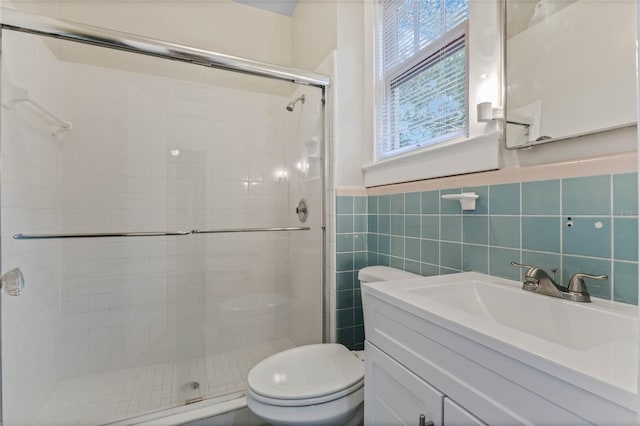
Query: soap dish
{"x": 467, "y": 199}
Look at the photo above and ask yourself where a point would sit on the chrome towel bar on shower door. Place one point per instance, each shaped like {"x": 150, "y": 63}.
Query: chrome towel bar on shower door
{"x": 226, "y": 231}
{"x": 152, "y": 234}
{"x": 97, "y": 235}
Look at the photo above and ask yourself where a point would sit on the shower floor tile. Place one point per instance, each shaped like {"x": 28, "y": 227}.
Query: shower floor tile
{"x": 108, "y": 397}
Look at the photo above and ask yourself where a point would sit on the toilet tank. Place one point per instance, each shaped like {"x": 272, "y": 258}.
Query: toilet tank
{"x": 372, "y": 274}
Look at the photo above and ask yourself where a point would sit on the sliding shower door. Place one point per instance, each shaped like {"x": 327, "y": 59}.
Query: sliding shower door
{"x": 121, "y": 177}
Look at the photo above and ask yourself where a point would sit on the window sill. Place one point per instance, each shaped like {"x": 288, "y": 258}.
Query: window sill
{"x": 475, "y": 154}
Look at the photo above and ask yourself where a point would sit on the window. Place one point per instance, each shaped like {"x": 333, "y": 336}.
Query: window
{"x": 423, "y": 74}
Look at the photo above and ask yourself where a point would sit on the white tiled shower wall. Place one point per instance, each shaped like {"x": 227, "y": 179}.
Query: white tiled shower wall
{"x": 31, "y": 184}
{"x": 156, "y": 300}
{"x": 115, "y": 304}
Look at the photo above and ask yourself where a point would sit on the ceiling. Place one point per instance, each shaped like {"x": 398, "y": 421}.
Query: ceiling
{"x": 283, "y": 7}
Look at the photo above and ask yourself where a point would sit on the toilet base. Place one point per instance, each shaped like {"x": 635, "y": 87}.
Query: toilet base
{"x": 358, "y": 417}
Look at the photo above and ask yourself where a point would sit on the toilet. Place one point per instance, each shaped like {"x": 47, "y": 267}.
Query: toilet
{"x": 314, "y": 385}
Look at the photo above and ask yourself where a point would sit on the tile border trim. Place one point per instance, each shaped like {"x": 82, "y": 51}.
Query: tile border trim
{"x": 613, "y": 164}
{"x": 351, "y": 191}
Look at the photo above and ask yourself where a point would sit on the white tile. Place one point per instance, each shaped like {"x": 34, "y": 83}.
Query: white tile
{"x": 76, "y": 304}
{"x": 98, "y": 302}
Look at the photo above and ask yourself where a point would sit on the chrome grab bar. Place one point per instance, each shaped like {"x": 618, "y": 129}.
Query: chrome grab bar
{"x": 151, "y": 234}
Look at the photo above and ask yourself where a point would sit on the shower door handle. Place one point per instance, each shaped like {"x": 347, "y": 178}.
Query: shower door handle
{"x": 12, "y": 282}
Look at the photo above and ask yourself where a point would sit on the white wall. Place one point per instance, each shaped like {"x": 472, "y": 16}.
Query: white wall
{"x": 320, "y": 27}
{"x": 31, "y": 186}
{"x": 313, "y": 32}
{"x": 349, "y": 106}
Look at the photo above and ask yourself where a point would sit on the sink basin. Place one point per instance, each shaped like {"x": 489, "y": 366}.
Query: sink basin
{"x": 575, "y": 325}
{"x": 581, "y": 342}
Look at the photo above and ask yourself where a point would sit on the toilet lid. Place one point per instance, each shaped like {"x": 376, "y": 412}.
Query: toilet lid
{"x": 306, "y": 372}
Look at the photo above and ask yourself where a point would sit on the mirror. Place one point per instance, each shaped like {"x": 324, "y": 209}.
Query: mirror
{"x": 570, "y": 68}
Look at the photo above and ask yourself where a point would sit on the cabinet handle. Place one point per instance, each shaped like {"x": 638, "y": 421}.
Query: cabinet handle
{"x": 422, "y": 421}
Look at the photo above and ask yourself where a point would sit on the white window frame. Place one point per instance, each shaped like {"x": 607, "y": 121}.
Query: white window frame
{"x": 458, "y": 32}
{"x": 480, "y": 150}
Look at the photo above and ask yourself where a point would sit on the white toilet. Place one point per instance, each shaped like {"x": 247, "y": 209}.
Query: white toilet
{"x": 315, "y": 384}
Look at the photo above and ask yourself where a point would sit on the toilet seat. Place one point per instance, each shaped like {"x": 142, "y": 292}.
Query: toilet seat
{"x": 306, "y": 375}
{"x": 306, "y": 401}
{"x": 346, "y": 411}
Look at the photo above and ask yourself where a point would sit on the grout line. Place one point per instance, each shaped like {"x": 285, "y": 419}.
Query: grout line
{"x": 461, "y": 237}
{"x": 439, "y": 230}
{"x": 613, "y": 253}
{"x": 560, "y": 191}
{"x": 439, "y": 195}
{"x": 488, "y": 229}
{"x": 520, "y": 230}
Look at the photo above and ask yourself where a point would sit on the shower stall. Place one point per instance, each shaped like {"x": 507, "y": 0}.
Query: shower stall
{"x": 150, "y": 197}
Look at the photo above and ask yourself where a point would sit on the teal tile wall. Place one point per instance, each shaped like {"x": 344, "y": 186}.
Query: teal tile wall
{"x": 587, "y": 224}
{"x": 352, "y": 244}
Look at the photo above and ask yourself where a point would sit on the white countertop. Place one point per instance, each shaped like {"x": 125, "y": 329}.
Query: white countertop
{"x": 590, "y": 345}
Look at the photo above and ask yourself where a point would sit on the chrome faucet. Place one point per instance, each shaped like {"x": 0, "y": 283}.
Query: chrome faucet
{"x": 538, "y": 281}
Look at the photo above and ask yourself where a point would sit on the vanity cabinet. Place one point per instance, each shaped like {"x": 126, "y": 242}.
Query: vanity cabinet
{"x": 396, "y": 396}
{"x": 420, "y": 363}
{"x": 455, "y": 415}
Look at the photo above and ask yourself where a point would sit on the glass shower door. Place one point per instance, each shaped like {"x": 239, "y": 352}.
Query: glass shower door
{"x": 115, "y": 327}
{"x": 94, "y": 338}
{"x": 31, "y": 182}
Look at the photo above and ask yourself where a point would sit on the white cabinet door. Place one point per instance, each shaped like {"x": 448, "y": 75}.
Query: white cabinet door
{"x": 455, "y": 415}
{"x": 395, "y": 396}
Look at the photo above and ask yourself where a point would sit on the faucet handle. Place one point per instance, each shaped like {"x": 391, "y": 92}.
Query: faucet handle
{"x": 577, "y": 284}
{"x": 531, "y": 277}
{"x": 520, "y": 265}
{"x": 532, "y": 271}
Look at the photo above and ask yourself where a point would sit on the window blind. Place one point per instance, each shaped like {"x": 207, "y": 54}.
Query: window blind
{"x": 424, "y": 74}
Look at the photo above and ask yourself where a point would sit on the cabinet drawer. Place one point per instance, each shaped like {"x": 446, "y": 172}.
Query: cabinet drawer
{"x": 455, "y": 415}
{"x": 396, "y": 396}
